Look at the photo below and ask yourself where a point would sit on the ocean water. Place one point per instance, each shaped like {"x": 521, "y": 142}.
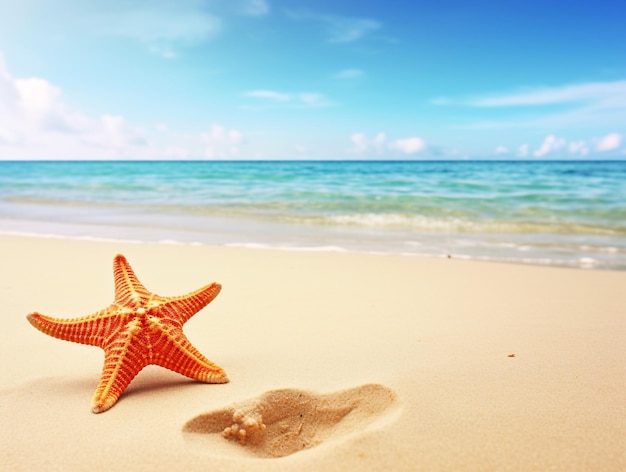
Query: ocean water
{"x": 553, "y": 213}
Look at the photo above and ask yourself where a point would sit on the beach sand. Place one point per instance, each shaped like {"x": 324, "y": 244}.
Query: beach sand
{"x": 337, "y": 361}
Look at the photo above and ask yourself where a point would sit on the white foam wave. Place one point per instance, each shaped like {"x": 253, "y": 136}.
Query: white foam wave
{"x": 450, "y": 224}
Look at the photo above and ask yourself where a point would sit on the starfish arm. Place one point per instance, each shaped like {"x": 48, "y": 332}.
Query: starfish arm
{"x": 173, "y": 351}
{"x": 123, "y": 359}
{"x": 85, "y": 330}
{"x": 128, "y": 289}
{"x": 180, "y": 309}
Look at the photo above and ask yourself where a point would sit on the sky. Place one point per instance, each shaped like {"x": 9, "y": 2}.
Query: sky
{"x": 312, "y": 79}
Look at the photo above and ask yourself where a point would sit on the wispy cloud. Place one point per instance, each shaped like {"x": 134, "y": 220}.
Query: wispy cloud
{"x": 600, "y": 103}
{"x": 339, "y": 29}
{"x": 269, "y": 94}
{"x": 346, "y": 30}
{"x": 272, "y": 99}
{"x": 165, "y": 28}
{"x": 607, "y": 94}
{"x": 348, "y": 74}
{"x": 314, "y": 100}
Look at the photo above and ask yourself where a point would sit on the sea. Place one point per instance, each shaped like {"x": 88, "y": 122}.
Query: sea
{"x": 555, "y": 213}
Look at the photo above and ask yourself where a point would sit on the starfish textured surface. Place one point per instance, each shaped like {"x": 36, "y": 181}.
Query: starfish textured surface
{"x": 138, "y": 329}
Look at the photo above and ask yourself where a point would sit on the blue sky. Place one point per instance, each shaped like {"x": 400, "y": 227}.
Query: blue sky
{"x": 269, "y": 79}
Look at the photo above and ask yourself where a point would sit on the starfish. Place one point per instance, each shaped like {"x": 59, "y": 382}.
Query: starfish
{"x": 138, "y": 329}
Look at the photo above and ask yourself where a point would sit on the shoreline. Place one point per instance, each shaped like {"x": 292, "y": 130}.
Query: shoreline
{"x": 564, "y": 214}
{"x": 582, "y": 264}
{"x": 428, "y": 341}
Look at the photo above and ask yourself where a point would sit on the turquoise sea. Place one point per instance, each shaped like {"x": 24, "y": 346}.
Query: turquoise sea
{"x": 553, "y": 213}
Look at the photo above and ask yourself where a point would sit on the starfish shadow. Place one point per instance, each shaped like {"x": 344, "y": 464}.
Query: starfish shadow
{"x": 155, "y": 380}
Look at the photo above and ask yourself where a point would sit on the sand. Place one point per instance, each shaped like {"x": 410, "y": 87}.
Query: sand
{"x": 337, "y": 361}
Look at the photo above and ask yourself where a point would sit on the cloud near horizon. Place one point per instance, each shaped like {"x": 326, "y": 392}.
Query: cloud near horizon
{"x": 550, "y": 144}
{"x": 37, "y": 123}
{"x": 609, "y": 142}
{"x": 555, "y": 145}
{"x": 578, "y": 147}
{"x": 361, "y": 144}
{"x": 222, "y": 143}
{"x": 410, "y": 145}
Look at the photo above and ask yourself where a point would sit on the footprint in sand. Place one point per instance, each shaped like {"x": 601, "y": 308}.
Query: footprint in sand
{"x": 283, "y": 422}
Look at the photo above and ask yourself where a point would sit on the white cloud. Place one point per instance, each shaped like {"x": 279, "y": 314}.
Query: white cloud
{"x": 348, "y": 74}
{"x": 501, "y": 150}
{"x": 603, "y": 92}
{"x": 118, "y": 134}
{"x": 41, "y": 107}
{"x": 33, "y": 107}
{"x": 550, "y": 144}
{"x": 362, "y": 144}
{"x": 609, "y": 142}
{"x": 221, "y": 142}
{"x": 410, "y": 145}
{"x": 578, "y": 147}
{"x": 37, "y": 123}
{"x": 523, "y": 150}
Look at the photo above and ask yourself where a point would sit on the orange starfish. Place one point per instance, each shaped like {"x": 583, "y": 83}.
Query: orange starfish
{"x": 138, "y": 329}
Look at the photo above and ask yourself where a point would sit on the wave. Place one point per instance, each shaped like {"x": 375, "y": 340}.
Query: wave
{"x": 431, "y": 224}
